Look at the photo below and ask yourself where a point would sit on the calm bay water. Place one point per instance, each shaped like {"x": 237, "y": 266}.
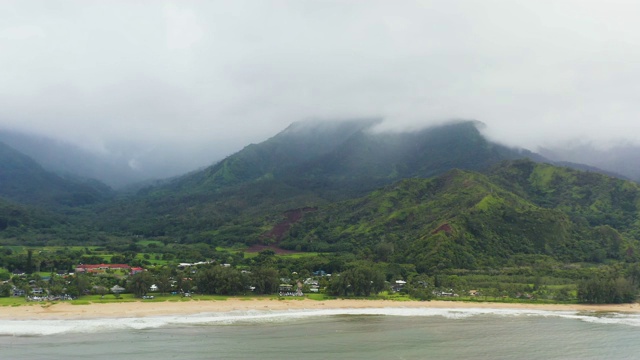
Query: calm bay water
{"x": 341, "y": 334}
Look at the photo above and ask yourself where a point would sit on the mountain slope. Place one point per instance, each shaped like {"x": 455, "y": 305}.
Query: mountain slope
{"x": 117, "y": 164}
{"x": 587, "y": 197}
{"x": 17, "y": 219}
{"x": 368, "y": 160}
{"x": 306, "y": 165}
{"x": 25, "y": 181}
{"x": 347, "y": 155}
{"x": 68, "y": 160}
{"x": 464, "y": 219}
{"x": 299, "y": 143}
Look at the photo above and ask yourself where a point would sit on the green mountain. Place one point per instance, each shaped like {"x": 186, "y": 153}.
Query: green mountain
{"x": 440, "y": 198}
{"x": 443, "y": 197}
{"x": 340, "y": 158}
{"x": 276, "y": 157}
{"x": 465, "y": 219}
{"x": 306, "y": 165}
{"x": 587, "y": 197}
{"x": 18, "y": 219}
{"x": 24, "y": 181}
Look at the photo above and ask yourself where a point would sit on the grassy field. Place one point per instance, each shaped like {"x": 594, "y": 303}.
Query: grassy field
{"x": 13, "y": 301}
{"x": 153, "y": 258}
{"x": 249, "y": 255}
{"x": 299, "y": 255}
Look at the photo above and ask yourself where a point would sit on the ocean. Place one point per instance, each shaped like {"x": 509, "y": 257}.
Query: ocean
{"x": 390, "y": 333}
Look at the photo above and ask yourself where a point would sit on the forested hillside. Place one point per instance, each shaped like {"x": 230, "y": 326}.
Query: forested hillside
{"x": 400, "y": 197}
{"x": 16, "y": 218}
{"x": 465, "y": 219}
{"x": 25, "y": 181}
{"x": 309, "y": 164}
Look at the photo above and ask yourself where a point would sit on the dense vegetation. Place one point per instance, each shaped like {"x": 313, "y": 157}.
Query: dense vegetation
{"x": 442, "y": 209}
{"x": 469, "y": 220}
{"x": 307, "y": 165}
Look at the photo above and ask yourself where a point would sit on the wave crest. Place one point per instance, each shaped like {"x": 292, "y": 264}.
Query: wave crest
{"x": 54, "y": 327}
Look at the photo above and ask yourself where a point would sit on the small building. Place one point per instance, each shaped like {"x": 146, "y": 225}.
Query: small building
{"x": 17, "y": 272}
{"x": 96, "y": 268}
{"x": 116, "y": 289}
{"x": 37, "y": 291}
{"x": 285, "y": 290}
{"x": 398, "y": 285}
{"x": 311, "y": 282}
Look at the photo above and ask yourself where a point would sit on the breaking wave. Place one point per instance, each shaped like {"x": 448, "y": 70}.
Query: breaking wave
{"x": 54, "y": 327}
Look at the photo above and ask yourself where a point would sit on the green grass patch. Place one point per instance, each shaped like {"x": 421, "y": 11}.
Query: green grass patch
{"x": 231, "y": 249}
{"x": 12, "y": 301}
{"x": 149, "y": 242}
{"x": 300, "y": 255}
{"x": 152, "y": 258}
{"x": 318, "y": 296}
{"x": 17, "y": 249}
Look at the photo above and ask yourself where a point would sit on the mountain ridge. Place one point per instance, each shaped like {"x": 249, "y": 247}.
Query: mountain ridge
{"x": 23, "y": 180}
{"x": 302, "y": 167}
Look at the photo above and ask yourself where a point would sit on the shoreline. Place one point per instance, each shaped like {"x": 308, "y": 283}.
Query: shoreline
{"x": 137, "y": 309}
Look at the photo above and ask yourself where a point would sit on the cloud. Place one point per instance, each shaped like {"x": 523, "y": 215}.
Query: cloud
{"x": 21, "y": 33}
{"x": 183, "y": 30}
{"x": 215, "y": 76}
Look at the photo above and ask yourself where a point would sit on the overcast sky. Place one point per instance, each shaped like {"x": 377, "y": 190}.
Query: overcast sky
{"x": 222, "y": 74}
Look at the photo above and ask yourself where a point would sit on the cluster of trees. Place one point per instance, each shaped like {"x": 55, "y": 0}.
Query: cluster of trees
{"x": 37, "y": 261}
{"x": 222, "y": 280}
{"x": 360, "y": 280}
{"x": 607, "y": 291}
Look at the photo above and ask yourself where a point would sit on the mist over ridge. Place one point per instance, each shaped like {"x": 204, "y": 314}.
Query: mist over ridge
{"x": 129, "y": 164}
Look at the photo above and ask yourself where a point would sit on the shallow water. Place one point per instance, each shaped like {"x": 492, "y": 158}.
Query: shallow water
{"x": 321, "y": 334}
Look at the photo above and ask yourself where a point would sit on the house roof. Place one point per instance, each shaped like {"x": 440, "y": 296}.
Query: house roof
{"x": 103, "y": 266}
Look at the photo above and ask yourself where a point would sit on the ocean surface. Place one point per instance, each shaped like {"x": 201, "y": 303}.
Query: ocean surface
{"x": 391, "y": 333}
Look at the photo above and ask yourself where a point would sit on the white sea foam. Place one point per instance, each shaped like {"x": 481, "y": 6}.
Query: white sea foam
{"x": 53, "y": 327}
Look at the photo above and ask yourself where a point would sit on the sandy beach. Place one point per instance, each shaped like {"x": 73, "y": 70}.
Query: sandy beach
{"x": 145, "y": 309}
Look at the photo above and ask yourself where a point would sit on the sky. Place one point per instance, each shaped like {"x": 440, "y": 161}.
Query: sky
{"x": 198, "y": 80}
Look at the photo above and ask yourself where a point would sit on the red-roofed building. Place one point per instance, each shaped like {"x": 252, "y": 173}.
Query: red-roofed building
{"x": 136, "y": 270}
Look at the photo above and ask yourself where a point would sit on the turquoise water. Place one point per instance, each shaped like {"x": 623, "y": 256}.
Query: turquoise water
{"x": 341, "y": 334}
